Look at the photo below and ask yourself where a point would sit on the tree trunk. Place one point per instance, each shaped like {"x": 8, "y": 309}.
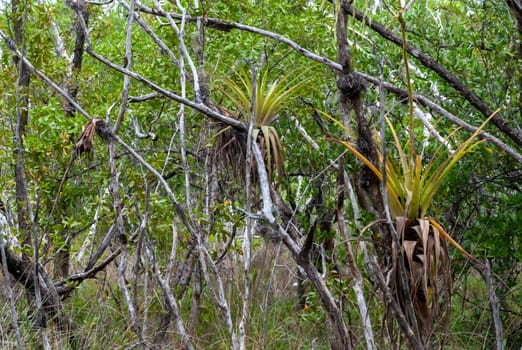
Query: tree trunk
{"x": 62, "y": 261}
{"x": 351, "y": 86}
{"x": 22, "y": 117}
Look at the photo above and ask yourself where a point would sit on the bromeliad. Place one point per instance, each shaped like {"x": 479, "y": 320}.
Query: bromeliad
{"x": 270, "y": 96}
{"x": 411, "y": 185}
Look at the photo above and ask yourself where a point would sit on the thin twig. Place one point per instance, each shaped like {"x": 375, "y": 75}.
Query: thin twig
{"x": 183, "y": 49}
{"x": 493, "y": 302}
{"x": 120, "y": 228}
{"x": 169, "y": 297}
{"x": 358, "y": 285}
{"x": 161, "y": 44}
{"x": 218, "y": 297}
{"x": 70, "y": 283}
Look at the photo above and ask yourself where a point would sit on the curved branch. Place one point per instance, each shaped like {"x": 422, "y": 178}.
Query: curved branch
{"x": 443, "y": 72}
{"x": 200, "y": 107}
{"x": 227, "y": 26}
{"x": 65, "y": 287}
{"x": 401, "y": 93}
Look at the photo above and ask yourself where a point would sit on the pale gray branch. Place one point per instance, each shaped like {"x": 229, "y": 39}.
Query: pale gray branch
{"x": 128, "y": 60}
{"x": 146, "y": 28}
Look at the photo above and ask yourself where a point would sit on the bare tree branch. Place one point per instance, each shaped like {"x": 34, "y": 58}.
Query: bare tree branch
{"x": 220, "y": 25}
{"x": 442, "y": 71}
{"x": 358, "y": 285}
{"x": 249, "y": 227}
{"x": 173, "y": 304}
{"x": 182, "y": 47}
{"x": 146, "y": 28}
{"x": 401, "y": 93}
{"x": 493, "y": 302}
{"x": 127, "y": 64}
{"x": 72, "y": 282}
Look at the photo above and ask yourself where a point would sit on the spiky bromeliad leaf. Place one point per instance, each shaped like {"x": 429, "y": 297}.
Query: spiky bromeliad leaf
{"x": 270, "y": 97}
{"x": 411, "y": 186}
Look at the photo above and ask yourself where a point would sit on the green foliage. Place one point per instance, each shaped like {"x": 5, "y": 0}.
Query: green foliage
{"x": 479, "y": 200}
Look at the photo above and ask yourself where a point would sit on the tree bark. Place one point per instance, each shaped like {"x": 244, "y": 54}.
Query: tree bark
{"x": 22, "y": 117}
{"x": 77, "y": 60}
{"x": 351, "y": 86}
{"x": 62, "y": 260}
{"x": 516, "y": 9}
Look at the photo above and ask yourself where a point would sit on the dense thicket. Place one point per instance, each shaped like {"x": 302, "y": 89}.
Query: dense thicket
{"x": 261, "y": 174}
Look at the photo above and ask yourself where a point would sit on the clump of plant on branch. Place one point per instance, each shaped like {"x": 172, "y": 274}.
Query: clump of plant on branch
{"x": 418, "y": 259}
{"x": 270, "y": 96}
{"x": 412, "y": 183}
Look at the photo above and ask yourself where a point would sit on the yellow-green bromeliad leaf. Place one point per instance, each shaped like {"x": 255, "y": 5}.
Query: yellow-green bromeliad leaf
{"x": 411, "y": 185}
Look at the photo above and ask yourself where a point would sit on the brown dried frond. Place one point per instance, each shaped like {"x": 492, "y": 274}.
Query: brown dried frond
{"x": 229, "y": 146}
{"x": 84, "y": 143}
{"x": 426, "y": 258}
{"x": 230, "y": 151}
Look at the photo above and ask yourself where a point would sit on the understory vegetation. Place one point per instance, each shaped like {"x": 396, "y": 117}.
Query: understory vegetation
{"x": 312, "y": 174}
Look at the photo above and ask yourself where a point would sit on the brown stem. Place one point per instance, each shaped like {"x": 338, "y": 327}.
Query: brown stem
{"x": 22, "y": 116}
{"x": 404, "y": 325}
{"x": 303, "y": 260}
{"x": 351, "y": 89}
{"x": 352, "y": 265}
